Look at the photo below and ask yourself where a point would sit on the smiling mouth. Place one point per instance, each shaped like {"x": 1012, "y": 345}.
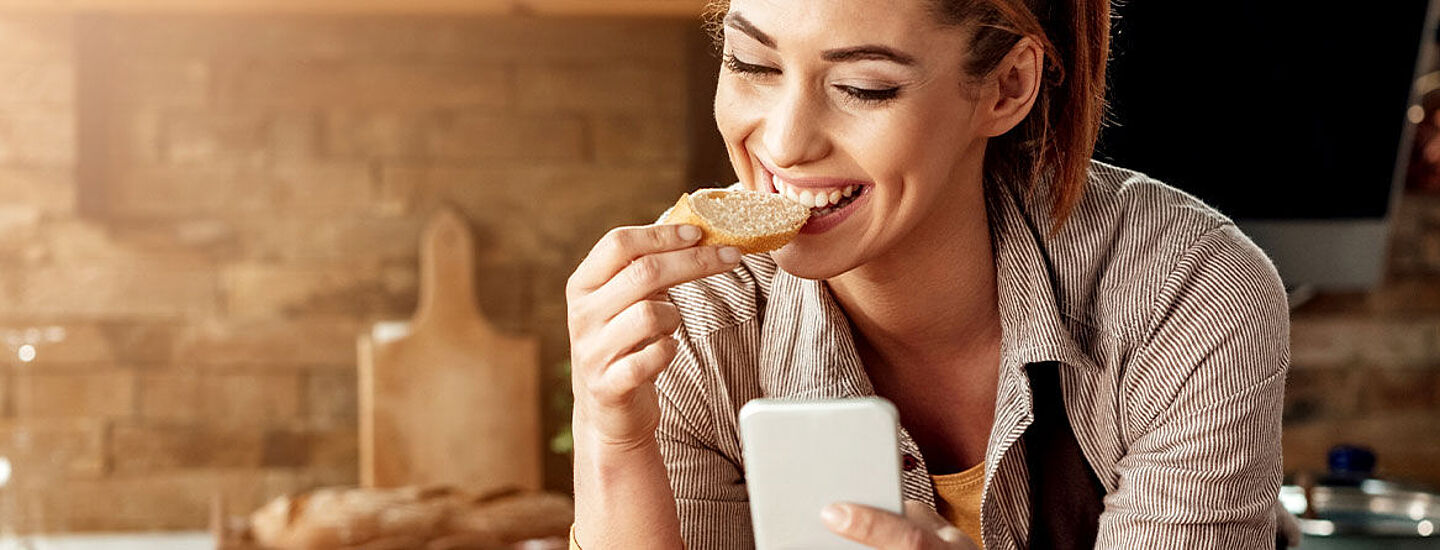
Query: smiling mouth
{"x": 820, "y": 200}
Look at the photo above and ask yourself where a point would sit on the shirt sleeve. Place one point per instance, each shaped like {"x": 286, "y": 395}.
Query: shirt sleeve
{"x": 709, "y": 486}
{"x": 1202, "y": 404}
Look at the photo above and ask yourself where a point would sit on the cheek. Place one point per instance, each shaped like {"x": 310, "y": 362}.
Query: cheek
{"x": 892, "y": 146}
{"x": 925, "y": 142}
{"x": 734, "y": 116}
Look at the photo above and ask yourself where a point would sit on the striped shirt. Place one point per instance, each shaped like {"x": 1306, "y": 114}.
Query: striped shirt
{"x": 1170, "y": 331}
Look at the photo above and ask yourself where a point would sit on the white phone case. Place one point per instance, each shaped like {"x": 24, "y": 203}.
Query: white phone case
{"x": 801, "y": 456}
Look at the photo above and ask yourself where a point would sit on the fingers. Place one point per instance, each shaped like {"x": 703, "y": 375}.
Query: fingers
{"x": 919, "y": 529}
{"x": 926, "y": 517}
{"x": 918, "y": 512}
{"x": 956, "y": 538}
{"x": 877, "y": 528}
{"x": 618, "y": 382}
{"x": 623, "y": 245}
{"x": 621, "y": 320}
{"x": 655, "y": 272}
{"x": 635, "y": 327}
{"x": 1289, "y": 526}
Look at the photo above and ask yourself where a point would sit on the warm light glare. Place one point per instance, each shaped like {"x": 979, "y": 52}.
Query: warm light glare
{"x": 1416, "y": 114}
{"x": 4, "y": 471}
{"x": 1426, "y": 528}
{"x": 27, "y": 353}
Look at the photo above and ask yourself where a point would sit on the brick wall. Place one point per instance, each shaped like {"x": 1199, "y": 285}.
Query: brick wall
{"x": 244, "y": 195}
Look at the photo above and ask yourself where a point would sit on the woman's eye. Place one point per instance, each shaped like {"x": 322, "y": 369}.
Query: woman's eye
{"x": 868, "y": 95}
{"x": 736, "y": 65}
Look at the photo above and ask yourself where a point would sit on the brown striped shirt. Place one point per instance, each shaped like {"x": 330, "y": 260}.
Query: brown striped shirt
{"x": 1169, "y": 326}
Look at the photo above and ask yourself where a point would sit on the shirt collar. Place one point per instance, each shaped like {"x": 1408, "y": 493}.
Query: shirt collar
{"x": 1034, "y": 329}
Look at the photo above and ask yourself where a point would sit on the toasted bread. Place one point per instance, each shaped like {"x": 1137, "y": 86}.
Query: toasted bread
{"x": 752, "y": 221}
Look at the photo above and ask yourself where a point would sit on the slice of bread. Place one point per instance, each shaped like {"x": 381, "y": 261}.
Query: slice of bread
{"x": 752, "y": 221}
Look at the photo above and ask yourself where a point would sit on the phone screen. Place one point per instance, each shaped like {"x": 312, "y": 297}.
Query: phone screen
{"x": 801, "y": 456}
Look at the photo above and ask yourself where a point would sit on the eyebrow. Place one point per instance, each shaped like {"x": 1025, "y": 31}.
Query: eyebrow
{"x": 740, "y": 23}
{"x": 840, "y": 55}
{"x": 868, "y": 52}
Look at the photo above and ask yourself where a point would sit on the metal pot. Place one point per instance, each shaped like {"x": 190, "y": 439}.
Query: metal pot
{"x": 1373, "y": 514}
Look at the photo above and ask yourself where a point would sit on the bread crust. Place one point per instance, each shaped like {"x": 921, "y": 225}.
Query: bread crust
{"x": 684, "y": 213}
{"x": 409, "y": 518}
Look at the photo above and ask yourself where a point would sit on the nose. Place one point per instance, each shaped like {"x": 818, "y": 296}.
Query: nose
{"x": 794, "y": 131}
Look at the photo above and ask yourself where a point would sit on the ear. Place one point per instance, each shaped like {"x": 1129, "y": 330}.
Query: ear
{"x": 1012, "y": 88}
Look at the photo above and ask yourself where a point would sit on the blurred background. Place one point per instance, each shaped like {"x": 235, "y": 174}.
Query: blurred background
{"x": 204, "y": 206}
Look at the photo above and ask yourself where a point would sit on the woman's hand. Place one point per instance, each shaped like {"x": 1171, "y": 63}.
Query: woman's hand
{"x": 620, "y": 324}
{"x": 919, "y": 529}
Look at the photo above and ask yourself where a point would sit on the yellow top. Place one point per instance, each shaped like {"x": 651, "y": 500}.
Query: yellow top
{"x": 959, "y": 502}
{"x": 960, "y": 499}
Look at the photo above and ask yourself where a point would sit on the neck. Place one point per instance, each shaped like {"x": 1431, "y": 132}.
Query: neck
{"x": 932, "y": 299}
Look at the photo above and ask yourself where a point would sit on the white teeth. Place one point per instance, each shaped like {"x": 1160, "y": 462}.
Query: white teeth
{"x": 812, "y": 198}
{"x": 790, "y": 193}
{"x": 807, "y": 198}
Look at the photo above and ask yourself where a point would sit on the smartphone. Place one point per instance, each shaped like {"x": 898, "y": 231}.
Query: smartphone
{"x": 801, "y": 456}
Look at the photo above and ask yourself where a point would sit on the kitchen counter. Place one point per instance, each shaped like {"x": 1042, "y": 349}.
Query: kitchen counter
{"x": 185, "y": 540}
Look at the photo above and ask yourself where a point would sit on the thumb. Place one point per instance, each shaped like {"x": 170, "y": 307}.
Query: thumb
{"x": 874, "y": 527}
{"x": 919, "y": 513}
{"x": 928, "y": 518}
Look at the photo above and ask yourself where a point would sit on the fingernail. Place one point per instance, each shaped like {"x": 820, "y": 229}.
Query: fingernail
{"x": 730, "y": 254}
{"x": 689, "y": 232}
{"x": 835, "y": 516}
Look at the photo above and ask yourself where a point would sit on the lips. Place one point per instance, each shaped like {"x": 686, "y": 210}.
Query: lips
{"x": 815, "y": 193}
{"x": 831, "y": 200}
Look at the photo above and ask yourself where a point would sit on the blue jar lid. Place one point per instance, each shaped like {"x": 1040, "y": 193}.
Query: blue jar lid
{"x": 1351, "y": 461}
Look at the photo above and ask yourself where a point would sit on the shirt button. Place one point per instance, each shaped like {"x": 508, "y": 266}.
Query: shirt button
{"x": 910, "y": 462}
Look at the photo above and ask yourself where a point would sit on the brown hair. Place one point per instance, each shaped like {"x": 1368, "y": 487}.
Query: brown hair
{"x": 1058, "y": 137}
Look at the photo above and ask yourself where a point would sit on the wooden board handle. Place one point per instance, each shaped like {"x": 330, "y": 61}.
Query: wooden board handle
{"x": 447, "y": 273}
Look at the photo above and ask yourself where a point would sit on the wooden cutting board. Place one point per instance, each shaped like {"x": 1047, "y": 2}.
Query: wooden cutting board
{"x": 445, "y": 398}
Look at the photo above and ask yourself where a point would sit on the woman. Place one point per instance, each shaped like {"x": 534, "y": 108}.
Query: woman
{"x": 1081, "y": 356}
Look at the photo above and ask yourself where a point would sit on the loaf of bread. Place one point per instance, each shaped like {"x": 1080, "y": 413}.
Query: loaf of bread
{"x": 408, "y": 518}
{"x": 752, "y": 221}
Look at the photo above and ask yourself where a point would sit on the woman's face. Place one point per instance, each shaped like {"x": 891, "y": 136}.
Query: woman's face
{"x": 855, "y": 100}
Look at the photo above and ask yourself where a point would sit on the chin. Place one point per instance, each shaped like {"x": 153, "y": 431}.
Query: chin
{"x": 829, "y": 253}
{"x": 810, "y": 262}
